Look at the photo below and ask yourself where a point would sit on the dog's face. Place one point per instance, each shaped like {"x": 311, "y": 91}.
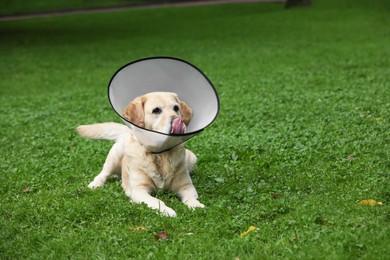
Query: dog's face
{"x": 159, "y": 111}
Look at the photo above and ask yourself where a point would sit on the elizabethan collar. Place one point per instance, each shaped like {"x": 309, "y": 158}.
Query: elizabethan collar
{"x": 171, "y": 75}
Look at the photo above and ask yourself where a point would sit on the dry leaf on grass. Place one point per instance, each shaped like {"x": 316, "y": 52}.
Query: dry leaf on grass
{"x": 250, "y": 229}
{"x": 370, "y": 202}
{"x": 162, "y": 235}
{"x": 27, "y": 189}
{"x": 138, "y": 229}
{"x": 379, "y": 118}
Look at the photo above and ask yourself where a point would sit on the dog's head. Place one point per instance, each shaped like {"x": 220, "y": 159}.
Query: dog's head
{"x": 159, "y": 111}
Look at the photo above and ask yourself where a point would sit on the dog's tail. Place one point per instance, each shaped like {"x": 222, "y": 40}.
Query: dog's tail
{"x": 105, "y": 131}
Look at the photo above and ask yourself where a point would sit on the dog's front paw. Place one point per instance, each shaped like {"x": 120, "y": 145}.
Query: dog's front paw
{"x": 96, "y": 184}
{"x": 167, "y": 211}
{"x": 194, "y": 203}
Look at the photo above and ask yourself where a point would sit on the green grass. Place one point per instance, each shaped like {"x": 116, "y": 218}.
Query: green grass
{"x": 302, "y": 135}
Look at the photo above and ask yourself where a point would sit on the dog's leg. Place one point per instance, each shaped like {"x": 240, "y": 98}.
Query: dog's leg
{"x": 138, "y": 187}
{"x": 142, "y": 196}
{"x": 186, "y": 191}
{"x": 111, "y": 166}
{"x": 190, "y": 160}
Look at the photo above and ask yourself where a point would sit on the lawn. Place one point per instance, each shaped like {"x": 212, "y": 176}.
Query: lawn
{"x": 301, "y": 138}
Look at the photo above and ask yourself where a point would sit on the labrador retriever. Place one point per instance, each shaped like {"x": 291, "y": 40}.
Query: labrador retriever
{"x": 142, "y": 171}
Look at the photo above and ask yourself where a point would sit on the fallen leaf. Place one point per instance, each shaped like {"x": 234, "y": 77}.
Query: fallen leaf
{"x": 379, "y": 118}
{"x": 251, "y": 228}
{"x": 138, "y": 229}
{"x": 294, "y": 238}
{"x": 162, "y": 235}
{"x": 27, "y": 189}
{"x": 370, "y": 202}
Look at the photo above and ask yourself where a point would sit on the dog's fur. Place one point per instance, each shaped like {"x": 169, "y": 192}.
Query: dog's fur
{"x": 142, "y": 171}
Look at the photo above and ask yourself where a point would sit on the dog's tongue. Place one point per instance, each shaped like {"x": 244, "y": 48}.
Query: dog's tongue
{"x": 178, "y": 127}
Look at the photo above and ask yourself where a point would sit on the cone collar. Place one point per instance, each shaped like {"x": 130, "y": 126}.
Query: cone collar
{"x": 165, "y": 74}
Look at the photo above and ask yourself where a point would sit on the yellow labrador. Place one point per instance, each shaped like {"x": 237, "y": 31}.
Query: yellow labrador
{"x": 141, "y": 170}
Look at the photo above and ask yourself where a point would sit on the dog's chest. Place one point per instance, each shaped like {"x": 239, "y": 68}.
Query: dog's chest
{"x": 160, "y": 169}
{"x": 163, "y": 171}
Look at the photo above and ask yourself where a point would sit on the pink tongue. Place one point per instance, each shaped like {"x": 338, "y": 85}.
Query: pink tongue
{"x": 178, "y": 127}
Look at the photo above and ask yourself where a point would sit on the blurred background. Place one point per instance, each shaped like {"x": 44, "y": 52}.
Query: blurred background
{"x": 19, "y": 7}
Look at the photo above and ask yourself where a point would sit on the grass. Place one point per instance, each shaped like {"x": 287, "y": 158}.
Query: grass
{"x": 302, "y": 135}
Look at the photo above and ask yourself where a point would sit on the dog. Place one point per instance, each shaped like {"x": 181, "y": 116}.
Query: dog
{"x": 142, "y": 171}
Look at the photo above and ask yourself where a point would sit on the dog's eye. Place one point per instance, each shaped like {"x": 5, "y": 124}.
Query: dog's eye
{"x": 176, "y": 108}
{"x": 157, "y": 110}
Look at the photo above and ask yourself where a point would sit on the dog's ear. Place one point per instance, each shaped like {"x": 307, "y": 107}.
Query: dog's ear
{"x": 134, "y": 112}
{"x": 186, "y": 113}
